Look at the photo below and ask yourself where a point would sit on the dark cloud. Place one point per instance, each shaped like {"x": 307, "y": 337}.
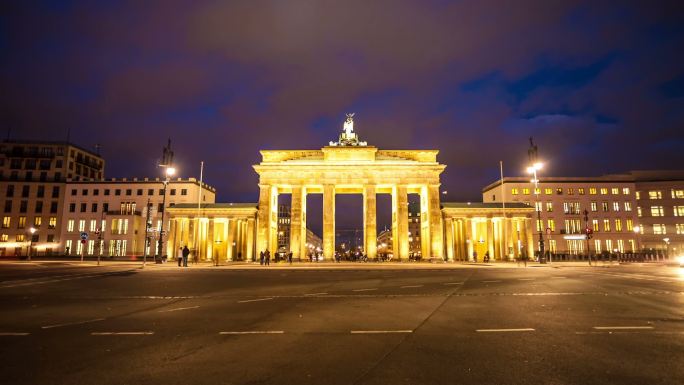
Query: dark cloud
{"x": 599, "y": 86}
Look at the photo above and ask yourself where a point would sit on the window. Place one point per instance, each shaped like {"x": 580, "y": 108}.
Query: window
{"x": 549, "y": 207}
{"x": 93, "y": 208}
{"x": 538, "y": 206}
{"x": 52, "y": 223}
{"x": 677, "y": 194}
{"x": 93, "y": 224}
{"x": 678, "y": 211}
{"x": 37, "y": 221}
{"x": 129, "y": 192}
{"x": 161, "y": 191}
{"x": 119, "y": 226}
{"x": 39, "y": 207}
{"x": 4, "y": 238}
{"x": 604, "y": 190}
{"x": 117, "y": 192}
{"x": 594, "y": 207}
{"x": 84, "y": 207}
{"x": 25, "y": 191}
{"x": 106, "y": 192}
{"x": 73, "y": 192}
{"x": 20, "y": 238}
{"x": 625, "y": 191}
{"x": 638, "y": 211}
{"x": 84, "y": 192}
{"x": 679, "y": 228}
{"x": 618, "y": 225}
{"x": 173, "y": 191}
{"x": 616, "y": 206}
{"x": 23, "y": 206}
{"x": 571, "y": 191}
{"x": 655, "y": 195}
{"x": 615, "y": 191}
{"x": 55, "y": 191}
{"x": 10, "y": 191}
{"x": 105, "y": 207}
{"x": 573, "y": 226}
{"x": 630, "y": 224}
{"x": 628, "y": 206}
{"x": 8, "y": 206}
{"x": 184, "y": 191}
{"x": 551, "y": 224}
{"x": 580, "y": 191}
{"x": 21, "y": 223}
{"x": 597, "y": 245}
{"x": 81, "y": 225}
{"x": 604, "y": 206}
{"x": 96, "y": 191}
{"x": 6, "y": 222}
{"x": 160, "y": 208}
{"x": 72, "y": 207}
{"x": 53, "y": 207}
{"x": 151, "y": 191}
{"x": 139, "y": 191}
{"x": 548, "y": 191}
{"x": 659, "y": 229}
{"x": 638, "y": 195}
{"x": 540, "y": 225}
{"x": 70, "y": 225}
{"x": 559, "y": 191}
{"x": 606, "y": 225}
{"x": 51, "y": 237}
{"x": 40, "y": 192}
{"x": 571, "y": 208}
{"x": 656, "y": 211}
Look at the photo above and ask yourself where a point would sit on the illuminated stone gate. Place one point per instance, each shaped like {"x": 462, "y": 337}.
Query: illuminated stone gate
{"x": 350, "y": 166}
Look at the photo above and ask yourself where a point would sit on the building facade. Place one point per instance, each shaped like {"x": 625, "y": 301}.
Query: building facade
{"x": 33, "y": 177}
{"x": 113, "y": 212}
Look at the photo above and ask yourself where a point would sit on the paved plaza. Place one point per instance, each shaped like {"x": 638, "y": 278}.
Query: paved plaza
{"x": 66, "y": 323}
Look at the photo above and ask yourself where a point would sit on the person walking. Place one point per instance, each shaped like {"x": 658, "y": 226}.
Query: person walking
{"x": 267, "y": 256}
{"x": 180, "y": 256}
{"x": 186, "y": 253}
{"x": 261, "y": 258}
{"x": 289, "y": 257}
{"x": 475, "y": 256}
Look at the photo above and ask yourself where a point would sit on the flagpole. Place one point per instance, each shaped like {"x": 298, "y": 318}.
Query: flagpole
{"x": 503, "y": 203}
{"x": 199, "y": 209}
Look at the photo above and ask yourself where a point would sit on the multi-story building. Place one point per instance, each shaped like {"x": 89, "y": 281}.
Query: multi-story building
{"x": 33, "y": 178}
{"x": 113, "y": 213}
{"x": 639, "y": 210}
{"x": 609, "y": 201}
{"x": 414, "y": 227}
{"x": 283, "y": 229}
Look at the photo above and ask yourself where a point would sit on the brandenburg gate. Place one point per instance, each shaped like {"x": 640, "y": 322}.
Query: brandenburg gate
{"x": 350, "y": 166}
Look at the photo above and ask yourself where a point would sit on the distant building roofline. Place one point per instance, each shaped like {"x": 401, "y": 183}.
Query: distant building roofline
{"x": 53, "y": 143}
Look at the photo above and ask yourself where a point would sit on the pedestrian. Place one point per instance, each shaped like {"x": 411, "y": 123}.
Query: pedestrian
{"x": 180, "y": 256}
{"x": 267, "y": 256}
{"x": 239, "y": 256}
{"x": 289, "y": 257}
{"x": 186, "y": 252}
{"x": 475, "y": 256}
{"x": 261, "y": 258}
{"x": 486, "y": 257}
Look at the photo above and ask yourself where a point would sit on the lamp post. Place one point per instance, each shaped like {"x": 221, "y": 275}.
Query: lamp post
{"x": 637, "y": 230}
{"x": 32, "y": 230}
{"x": 667, "y": 248}
{"x": 532, "y": 169}
{"x": 168, "y": 171}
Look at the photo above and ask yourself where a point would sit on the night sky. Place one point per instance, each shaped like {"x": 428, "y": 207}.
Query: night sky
{"x": 599, "y": 84}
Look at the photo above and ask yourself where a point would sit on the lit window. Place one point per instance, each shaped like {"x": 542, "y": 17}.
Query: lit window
{"x": 52, "y": 222}
{"x": 656, "y": 211}
{"x": 70, "y": 225}
{"x": 538, "y": 206}
{"x": 597, "y": 245}
{"x": 677, "y": 194}
{"x": 549, "y": 207}
{"x": 606, "y": 225}
{"x": 628, "y": 206}
{"x": 616, "y": 206}
{"x": 638, "y": 195}
{"x": 537, "y": 191}
{"x": 679, "y": 227}
{"x": 551, "y": 224}
{"x": 618, "y": 225}
{"x": 604, "y": 206}
{"x": 615, "y": 191}
{"x": 571, "y": 191}
{"x": 659, "y": 229}
{"x": 679, "y": 211}
{"x": 580, "y": 191}
{"x": 81, "y": 225}
{"x": 609, "y": 244}
{"x": 540, "y": 225}
{"x": 514, "y": 191}
{"x": 625, "y": 190}
{"x": 4, "y": 238}
{"x": 548, "y": 191}
{"x": 22, "y": 222}
{"x": 592, "y": 190}
{"x": 655, "y": 195}
{"x": 20, "y": 238}
{"x": 630, "y": 225}
{"x": 604, "y": 190}
{"x": 526, "y": 191}
{"x": 93, "y": 224}
{"x": 594, "y": 207}
{"x": 638, "y": 211}
{"x": 37, "y": 221}
{"x": 6, "y": 222}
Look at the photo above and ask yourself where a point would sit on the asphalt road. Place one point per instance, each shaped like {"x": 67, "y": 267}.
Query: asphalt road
{"x": 72, "y": 324}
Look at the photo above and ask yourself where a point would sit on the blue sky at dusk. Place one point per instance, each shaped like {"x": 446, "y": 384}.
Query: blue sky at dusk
{"x": 599, "y": 84}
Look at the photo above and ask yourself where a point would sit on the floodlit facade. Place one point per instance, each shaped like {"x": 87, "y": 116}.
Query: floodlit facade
{"x": 113, "y": 214}
{"x": 33, "y": 177}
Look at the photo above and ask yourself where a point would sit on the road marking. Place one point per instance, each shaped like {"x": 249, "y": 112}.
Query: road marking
{"x": 255, "y": 300}
{"x": 379, "y": 331}
{"x": 504, "y": 330}
{"x": 490, "y": 281}
{"x": 254, "y": 332}
{"x": 315, "y": 294}
{"x": 453, "y": 283}
{"x": 121, "y": 333}
{"x": 411, "y": 286}
{"x": 526, "y": 279}
{"x": 177, "y": 309}
{"x": 15, "y": 334}
{"x": 72, "y": 323}
{"x": 624, "y": 327}
{"x": 365, "y": 289}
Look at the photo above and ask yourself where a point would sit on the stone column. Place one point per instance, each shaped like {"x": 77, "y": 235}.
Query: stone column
{"x": 400, "y": 245}
{"x": 232, "y": 225}
{"x": 469, "y": 238}
{"x": 264, "y": 217}
{"x": 436, "y": 239}
{"x": 297, "y": 223}
{"x": 449, "y": 226}
{"x": 530, "y": 225}
{"x": 210, "y": 240}
{"x": 424, "y": 223}
{"x": 328, "y": 222}
{"x": 249, "y": 254}
{"x": 490, "y": 237}
{"x": 243, "y": 239}
{"x": 509, "y": 239}
{"x": 238, "y": 239}
{"x": 370, "y": 236}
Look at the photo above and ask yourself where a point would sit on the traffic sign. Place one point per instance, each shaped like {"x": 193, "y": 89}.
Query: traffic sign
{"x": 83, "y": 241}
{"x": 84, "y": 236}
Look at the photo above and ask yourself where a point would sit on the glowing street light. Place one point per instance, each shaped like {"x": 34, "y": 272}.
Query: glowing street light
{"x": 32, "y": 230}
{"x": 532, "y": 169}
{"x": 169, "y": 171}
{"x": 667, "y": 247}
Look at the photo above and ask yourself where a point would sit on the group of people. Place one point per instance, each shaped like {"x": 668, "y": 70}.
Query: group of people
{"x": 485, "y": 259}
{"x": 183, "y": 254}
{"x": 265, "y": 258}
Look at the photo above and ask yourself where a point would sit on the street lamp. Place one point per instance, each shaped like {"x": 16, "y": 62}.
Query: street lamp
{"x": 536, "y": 166}
{"x": 169, "y": 172}
{"x": 667, "y": 247}
{"x": 32, "y": 230}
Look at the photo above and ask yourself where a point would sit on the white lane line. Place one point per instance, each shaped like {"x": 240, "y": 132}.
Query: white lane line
{"x": 311, "y": 294}
{"x": 13, "y": 334}
{"x": 490, "y": 281}
{"x": 71, "y": 323}
{"x": 121, "y": 333}
{"x": 254, "y": 332}
{"x": 526, "y": 279}
{"x": 177, "y": 309}
{"x": 623, "y": 327}
{"x": 365, "y": 289}
{"x": 255, "y": 300}
{"x": 452, "y": 283}
{"x": 504, "y": 330}
{"x": 411, "y": 286}
{"x": 380, "y": 331}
